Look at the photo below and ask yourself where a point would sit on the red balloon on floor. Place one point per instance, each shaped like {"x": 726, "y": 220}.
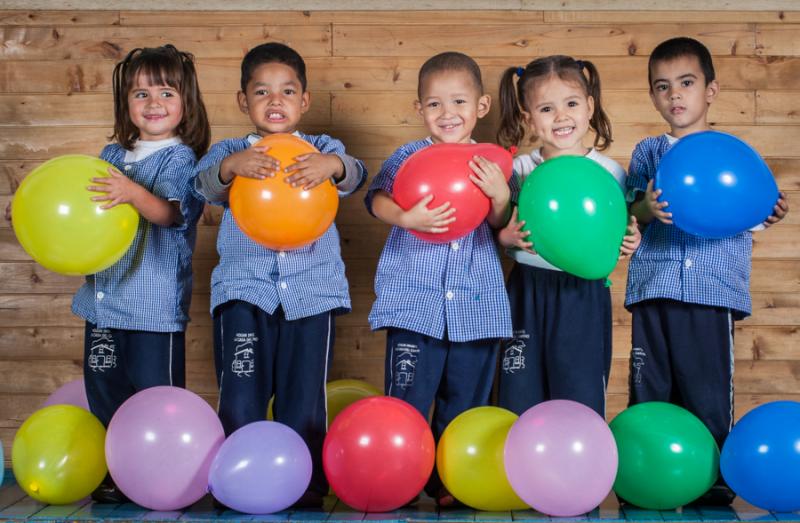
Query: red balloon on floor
{"x": 378, "y": 454}
{"x": 443, "y": 171}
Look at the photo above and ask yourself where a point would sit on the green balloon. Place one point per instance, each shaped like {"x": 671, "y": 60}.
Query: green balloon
{"x": 667, "y": 457}
{"x": 576, "y": 213}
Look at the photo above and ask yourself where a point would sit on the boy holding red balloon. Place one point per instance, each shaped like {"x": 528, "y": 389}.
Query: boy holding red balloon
{"x": 684, "y": 291}
{"x": 274, "y": 309}
{"x": 443, "y": 304}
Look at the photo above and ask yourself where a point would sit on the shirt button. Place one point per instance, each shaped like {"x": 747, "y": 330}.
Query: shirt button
{"x": 127, "y": 167}
{"x": 283, "y": 285}
{"x": 449, "y": 295}
{"x": 688, "y": 263}
{"x": 282, "y": 254}
{"x": 454, "y": 246}
{"x": 100, "y": 295}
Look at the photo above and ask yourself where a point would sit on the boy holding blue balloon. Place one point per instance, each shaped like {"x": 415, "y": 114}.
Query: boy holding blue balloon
{"x": 684, "y": 291}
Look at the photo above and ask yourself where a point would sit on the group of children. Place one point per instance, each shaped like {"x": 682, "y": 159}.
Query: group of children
{"x": 445, "y": 308}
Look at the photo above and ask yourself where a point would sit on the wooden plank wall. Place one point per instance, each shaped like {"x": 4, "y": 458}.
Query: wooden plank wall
{"x": 55, "y": 70}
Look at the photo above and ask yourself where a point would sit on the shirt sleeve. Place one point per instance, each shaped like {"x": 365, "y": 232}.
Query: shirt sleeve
{"x": 640, "y": 172}
{"x": 173, "y": 183}
{"x": 384, "y": 180}
{"x": 206, "y": 184}
{"x": 355, "y": 172}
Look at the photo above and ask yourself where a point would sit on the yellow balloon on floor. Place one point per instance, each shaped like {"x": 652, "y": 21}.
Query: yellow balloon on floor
{"x": 341, "y": 393}
{"x": 469, "y": 459}
{"x": 58, "y": 224}
{"x": 58, "y": 454}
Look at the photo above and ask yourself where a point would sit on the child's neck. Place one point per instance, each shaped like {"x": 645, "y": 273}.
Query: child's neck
{"x": 680, "y": 132}
{"x": 549, "y": 152}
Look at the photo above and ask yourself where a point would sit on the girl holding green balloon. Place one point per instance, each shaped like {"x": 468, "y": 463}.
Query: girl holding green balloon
{"x": 577, "y": 228}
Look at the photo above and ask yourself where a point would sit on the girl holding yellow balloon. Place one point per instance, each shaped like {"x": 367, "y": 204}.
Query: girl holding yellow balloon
{"x": 280, "y": 277}
{"x": 136, "y": 310}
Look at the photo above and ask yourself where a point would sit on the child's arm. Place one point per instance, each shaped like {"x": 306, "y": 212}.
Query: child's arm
{"x": 418, "y": 218}
{"x": 217, "y": 169}
{"x": 512, "y": 234}
{"x": 118, "y": 189}
{"x": 490, "y": 179}
{"x": 631, "y": 240}
{"x": 779, "y": 212}
{"x": 347, "y": 173}
{"x": 647, "y": 207}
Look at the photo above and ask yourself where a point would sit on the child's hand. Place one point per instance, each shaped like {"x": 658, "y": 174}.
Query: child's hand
{"x": 249, "y": 163}
{"x": 631, "y": 240}
{"x": 512, "y": 235}
{"x": 117, "y": 189}
{"x": 420, "y": 218}
{"x": 656, "y": 207}
{"x": 490, "y": 179}
{"x": 313, "y": 169}
{"x": 780, "y": 210}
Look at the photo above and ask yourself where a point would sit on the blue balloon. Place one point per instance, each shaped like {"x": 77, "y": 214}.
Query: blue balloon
{"x": 760, "y": 460}
{"x": 716, "y": 185}
{"x": 2, "y": 464}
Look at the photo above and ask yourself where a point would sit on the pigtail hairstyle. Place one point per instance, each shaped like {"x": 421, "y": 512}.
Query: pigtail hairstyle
{"x": 599, "y": 121}
{"x": 512, "y": 128}
{"x": 163, "y": 65}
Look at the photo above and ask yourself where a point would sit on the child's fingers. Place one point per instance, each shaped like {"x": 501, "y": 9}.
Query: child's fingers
{"x": 98, "y": 188}
{"x": 444, "y": 214}
{"x": 437, "y": 230}
{"x": 442, "y": 222}
{"x": 441, "y": 209}
{"x": 425, "y": 200}
{"x": 102, "y": 198}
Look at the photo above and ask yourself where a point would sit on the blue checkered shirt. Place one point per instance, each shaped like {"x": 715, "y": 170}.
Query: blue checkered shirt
{"x": 452, "y": 290}
{"x": 675, "y": 265}
{"x": 150, "y": 287}
{"x": 305, "y": 281}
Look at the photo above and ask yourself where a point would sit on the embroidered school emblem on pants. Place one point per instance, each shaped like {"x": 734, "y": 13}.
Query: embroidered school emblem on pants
{"x": 638, "y": 357}
{"x": 102, "y": 353}
{"x": 405, "y": 364}
{"x": 513, "y": 357}
{"x": 244, "y": 362}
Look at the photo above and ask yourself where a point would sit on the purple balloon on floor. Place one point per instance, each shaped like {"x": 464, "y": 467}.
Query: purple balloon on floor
{"x": 71, "y": 393}
{"x": 160, "y": 445}
{"x": 561, "y": 458}
{"x": 263, "y": 467}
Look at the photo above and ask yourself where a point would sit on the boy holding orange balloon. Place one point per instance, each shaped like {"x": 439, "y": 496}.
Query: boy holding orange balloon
{"x": 684, "y": 291}
{"x": 443, "y": 304}
{"x": 273, "y": 297}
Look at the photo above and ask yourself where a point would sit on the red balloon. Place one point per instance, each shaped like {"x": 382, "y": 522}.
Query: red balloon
{"x": 443, "y": 170}
{"x": 378, "y": 454}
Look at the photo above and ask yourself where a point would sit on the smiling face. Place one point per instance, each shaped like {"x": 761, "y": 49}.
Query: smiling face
{"x": 156, "y": 110}
{"x": 679, "y": 92}
{"x": 450, "y": 104}
{"x": 274, "y": 99}
{"x": 560, "y": 112}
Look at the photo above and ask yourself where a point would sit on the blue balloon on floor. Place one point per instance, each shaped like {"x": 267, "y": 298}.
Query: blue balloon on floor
{"x": 716, "y": 185}
{"x": 761, "y": 458}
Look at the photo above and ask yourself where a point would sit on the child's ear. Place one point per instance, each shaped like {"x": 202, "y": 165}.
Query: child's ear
{"x": 241, "y": 98}
{"x": 590, "y": 103}
{"x": 484, "y": 104}
{"x": 305, "y": 102}
{"x": 712, "y": 90}
{"x": 418, "y": 107}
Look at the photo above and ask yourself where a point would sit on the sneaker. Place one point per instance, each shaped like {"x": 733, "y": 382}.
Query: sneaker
{"x": 108, "y": 492}
{"x": 309, "y": 499}
{"x": 446, "y": 500}
{"x": 717, "y": 496}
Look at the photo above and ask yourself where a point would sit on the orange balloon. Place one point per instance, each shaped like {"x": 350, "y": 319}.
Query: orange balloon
{"x": 275, "y": 214}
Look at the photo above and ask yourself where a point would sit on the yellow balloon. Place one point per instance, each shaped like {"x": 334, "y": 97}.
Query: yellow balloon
{"x": 60, "y": 227}
{"x": 58, "y": 454}
{"x": 469, "y": 459}
{"x": 341, "y": 393}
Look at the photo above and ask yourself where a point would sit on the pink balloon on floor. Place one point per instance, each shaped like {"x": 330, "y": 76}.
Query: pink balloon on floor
{"x": 561, "y": 458}
{"x": 160, "y": 446}
{"x": 71, "y": 393}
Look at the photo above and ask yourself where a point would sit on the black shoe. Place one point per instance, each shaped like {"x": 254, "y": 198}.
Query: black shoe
{"x": 108, "y": 492}
{"x": 717, "y": 496}
{"x": 309, "y": 499}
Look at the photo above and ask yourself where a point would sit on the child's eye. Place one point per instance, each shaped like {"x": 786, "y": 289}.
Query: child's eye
{"x": 459, "y": 101}
{"x": 140, "y": 94}
{"x": 433, "y": 104}
{"x": 544, "y": 110}
{"x": 572, "y": 103}
{"x": 261, "y": 92}
{"x": 687, "y": 83}
{"x": 661, "y": 87}
{"x": 289, "y": 92}
{"x": 167, "y": 94}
